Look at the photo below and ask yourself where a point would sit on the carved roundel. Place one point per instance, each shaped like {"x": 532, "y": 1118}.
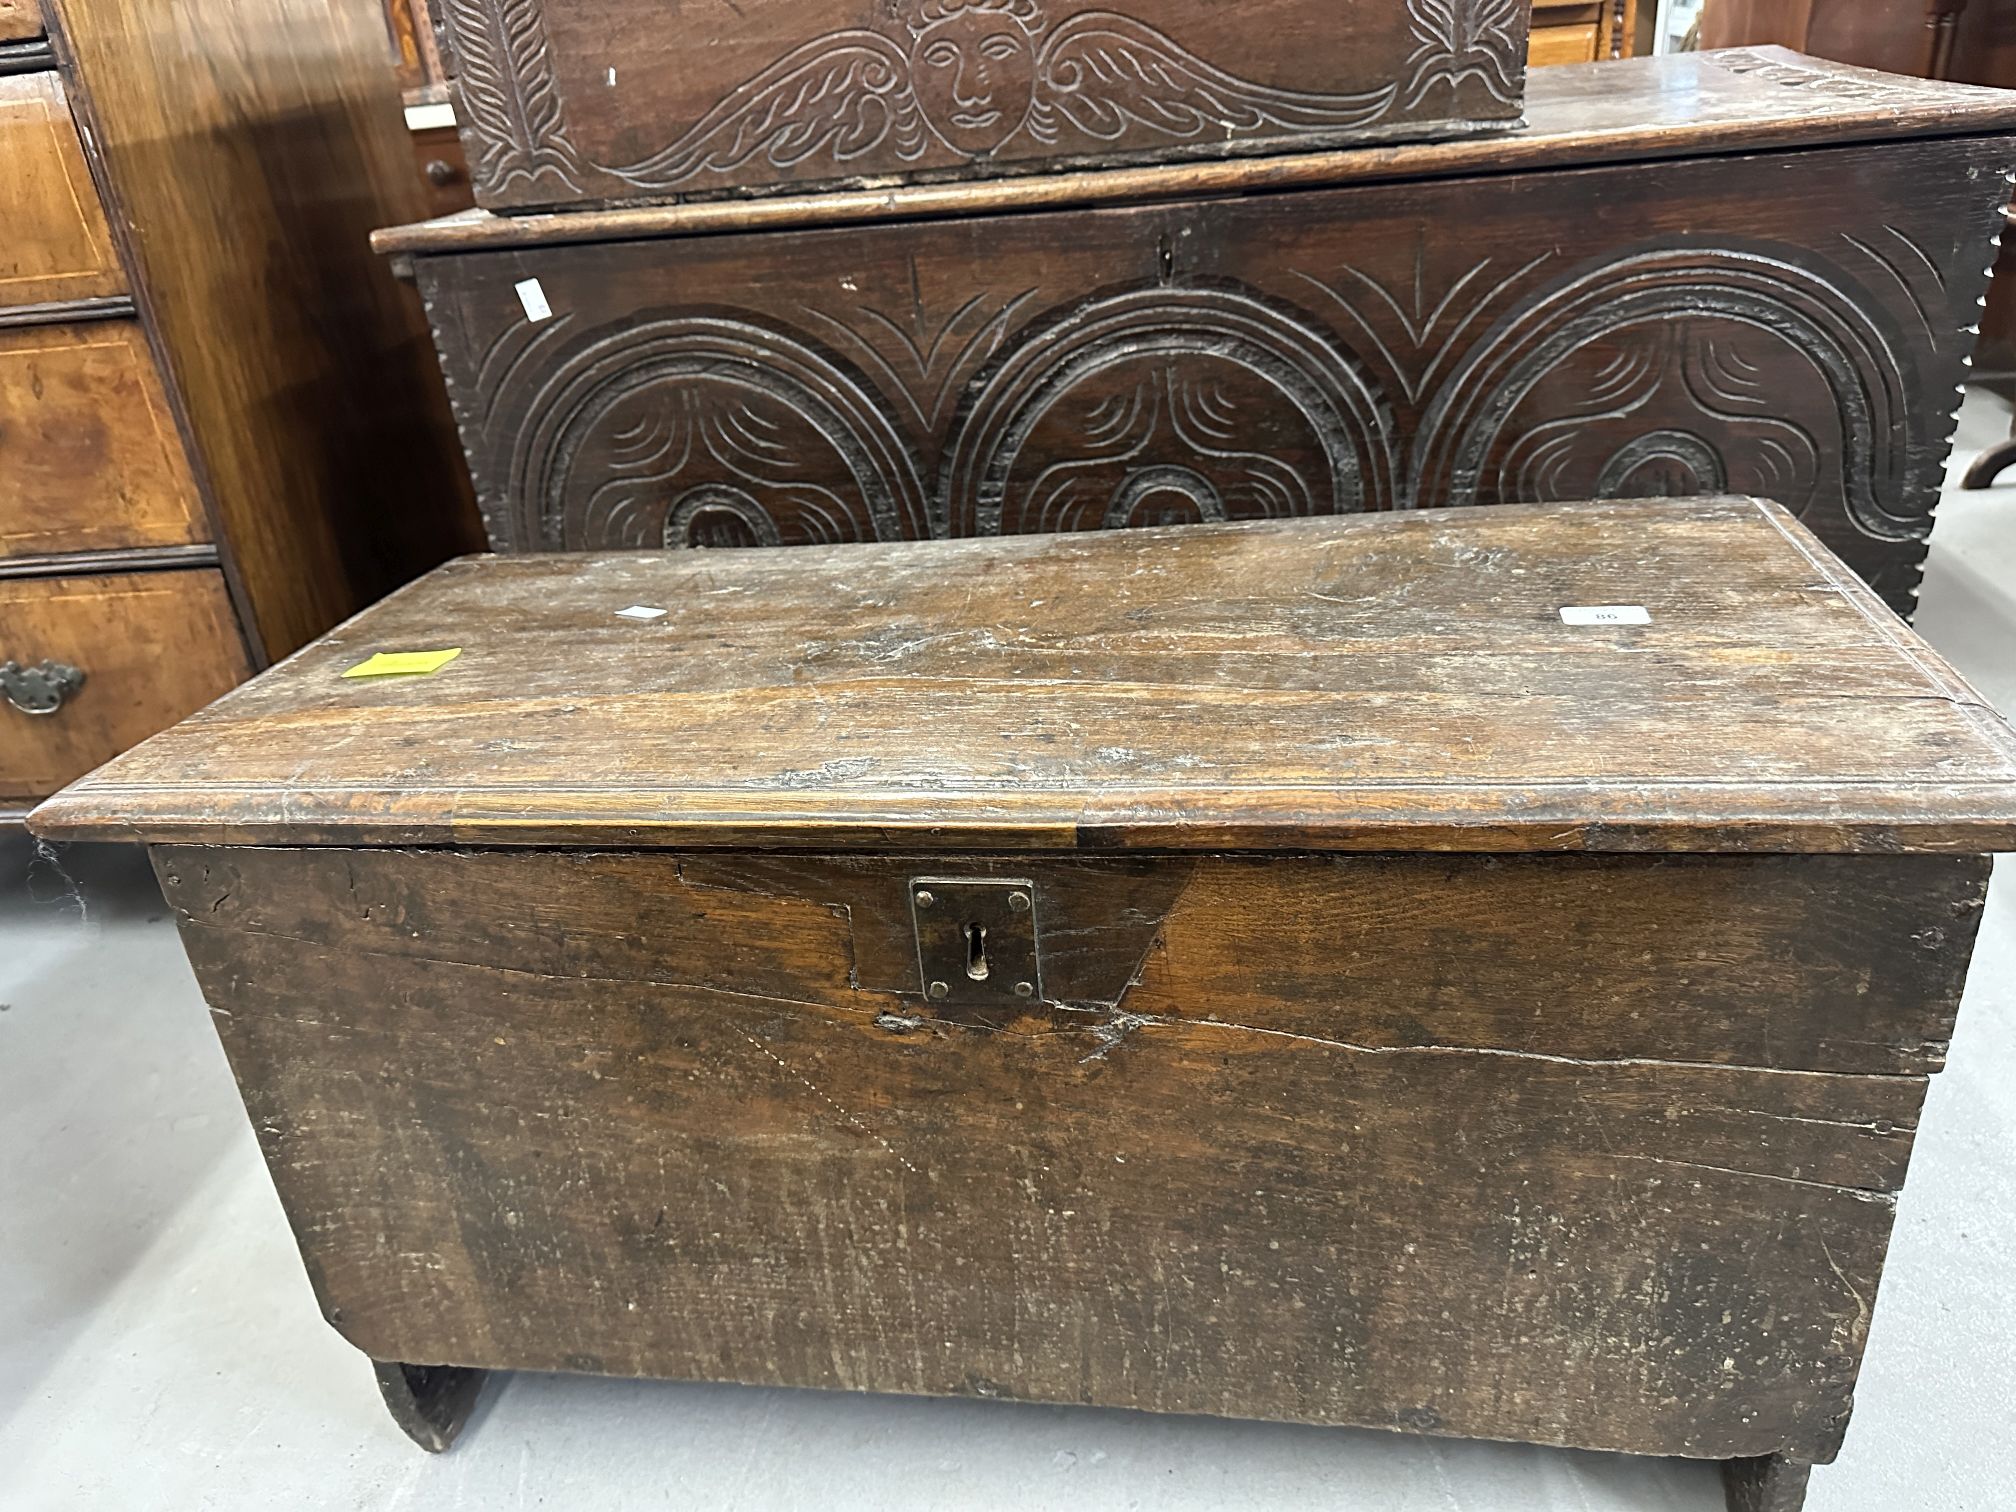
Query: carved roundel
{"x": 1549, "y": 404}
{"x": 1166, "y": 406}
{"x": 701, "y": 430}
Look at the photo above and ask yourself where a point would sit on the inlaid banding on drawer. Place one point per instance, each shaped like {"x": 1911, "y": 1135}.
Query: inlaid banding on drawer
{"x": 88, "y": 445}
{"x": 20, "y": 20}
{"x": 57, "y": 245}
{"x": 149, "y": 649}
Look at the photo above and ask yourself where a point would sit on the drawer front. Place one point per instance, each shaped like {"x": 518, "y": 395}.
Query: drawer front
{"x": 1563, "y": 44}
{"x": 57, "y": 245}
{"x": 1590, "y": 1151}
{"x": 20, "y": 20}
{"x": 1789, "y": 325}
{"x": 609, "y": 100}
{"x": 87, "y": 445}
{"x": 152, "y": 648}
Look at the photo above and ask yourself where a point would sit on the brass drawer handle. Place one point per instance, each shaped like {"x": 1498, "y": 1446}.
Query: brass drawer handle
{"x": 39, "y": 690}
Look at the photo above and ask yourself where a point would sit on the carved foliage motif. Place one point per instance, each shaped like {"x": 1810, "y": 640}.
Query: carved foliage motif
{"x": 1472, "y": 446}
{"x": 1456, "y": 41}
{"x": 707, "y": 430}
{"x": 507, "y": 99}
{"x": 1828, "y": 83}
{"x": 1166, "y": 405}
{"x": 1648, "y": 370}
{"x": 954, "y": 81}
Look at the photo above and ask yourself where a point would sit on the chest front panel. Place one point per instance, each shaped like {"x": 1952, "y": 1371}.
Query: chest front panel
{"x": 1788, "y": 324}
{"x": 1594, "y": 1151}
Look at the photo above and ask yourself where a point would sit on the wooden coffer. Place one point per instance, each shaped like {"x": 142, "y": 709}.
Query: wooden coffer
{"x": 569, "y": 102}
{"x": 1732, "y": 271}
{"x": 1283, "y": 969}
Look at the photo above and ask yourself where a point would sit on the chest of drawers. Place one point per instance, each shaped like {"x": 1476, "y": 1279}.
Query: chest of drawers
{"x": 201, "y": 367}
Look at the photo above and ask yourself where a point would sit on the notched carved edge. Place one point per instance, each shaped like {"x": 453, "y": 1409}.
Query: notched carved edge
{"x": 430, "y": 1403}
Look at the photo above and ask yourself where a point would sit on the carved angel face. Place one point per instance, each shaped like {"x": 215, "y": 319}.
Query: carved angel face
{"x": 975, "y": 75}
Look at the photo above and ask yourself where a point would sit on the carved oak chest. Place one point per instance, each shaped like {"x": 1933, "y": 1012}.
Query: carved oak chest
{"x": 1740, "y": 270}
{"x": 1469, "y": 972}
{"x": 570, "y": 102}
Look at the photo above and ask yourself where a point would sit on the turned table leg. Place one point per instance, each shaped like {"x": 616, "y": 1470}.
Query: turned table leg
{"x": 430, "y": 1403}
{"x": 1769, "y": 1483}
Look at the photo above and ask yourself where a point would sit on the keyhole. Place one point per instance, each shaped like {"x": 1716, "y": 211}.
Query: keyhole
{"x": 976, "y": 952}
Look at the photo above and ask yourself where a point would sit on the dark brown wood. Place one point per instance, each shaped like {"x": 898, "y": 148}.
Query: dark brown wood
{"x": 1983, "y": 471}
{"x": 594, "y": 101}
{"x": 693, "y": 1116}
{"x": 1771, "y": 1483}
{"x": 253, "y": 144}
{"x": 1794, "y": 325}
{"x": 1638, "y": 110}
{"x": 154, "y": 647}
{"x": 430, "y": 1403}
{"x": 648, "y": 1063}
{"x": 1900, "y": 36}
{"x": 88, "y": 446}
{"x": 1357, "y": 683}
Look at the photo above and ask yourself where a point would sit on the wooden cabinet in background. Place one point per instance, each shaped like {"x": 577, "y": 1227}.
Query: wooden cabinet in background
{"x": 1898, "y": 36}
{"x": 157, "y": 646}
{"x": 220, "y": 428}
{"x": 20, "y": 20}
{"x": 1582, "y": 33}
{"x": 89, "y": 452}
{"x": 57, "y": 245}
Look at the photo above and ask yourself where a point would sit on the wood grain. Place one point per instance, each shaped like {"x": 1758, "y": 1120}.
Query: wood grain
{"x": 1349, "y": 683}
{"x": 88, "y": 445}
{"x": 1637, "y": 110}
{"x": 1573, "y": 42}
{"x": 608, "y": 100}
{"x": 154, "y": 647}
{"x": 1794, "y": 325}
{"x": 253, "y": 144}
{"x": 20, "y": 20}
{"x": 685, "y": 1116}
{"x": 57, "y": 244}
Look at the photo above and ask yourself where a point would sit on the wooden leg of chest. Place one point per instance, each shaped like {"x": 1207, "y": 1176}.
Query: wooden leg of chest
{"x": 430, "y": 1403}
{"x": 1768, "y": 1483}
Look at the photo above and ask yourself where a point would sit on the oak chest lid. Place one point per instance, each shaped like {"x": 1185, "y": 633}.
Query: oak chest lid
{"x": 1737, "y": 100}
{"x": 1694, "y": 675}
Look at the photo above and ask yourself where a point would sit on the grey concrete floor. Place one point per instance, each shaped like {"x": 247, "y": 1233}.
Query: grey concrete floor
{"x": 159, "y": 1347}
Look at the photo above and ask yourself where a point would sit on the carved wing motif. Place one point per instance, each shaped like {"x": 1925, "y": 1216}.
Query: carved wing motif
{"x": 507, "y": 96}
{"x": 840, "y": 95}
{"x": 1101, "y": 73}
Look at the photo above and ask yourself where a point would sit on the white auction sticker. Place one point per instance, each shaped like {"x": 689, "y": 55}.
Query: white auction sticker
{"x": 533, "y": 298}
{"x": 1606, "y": 614}
{"x": 642, "y": 612}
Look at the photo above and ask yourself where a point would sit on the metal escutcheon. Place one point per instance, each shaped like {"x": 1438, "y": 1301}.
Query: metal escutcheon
{"x": 41, "y": 689}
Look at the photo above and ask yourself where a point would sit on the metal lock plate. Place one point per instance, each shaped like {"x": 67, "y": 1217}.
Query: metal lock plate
{"x": 976, "y": 940}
